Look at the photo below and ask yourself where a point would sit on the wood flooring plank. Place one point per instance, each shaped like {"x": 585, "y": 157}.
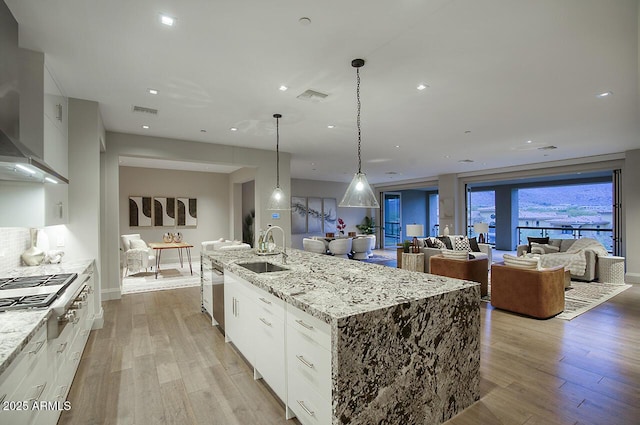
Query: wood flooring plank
{"x": 157, "y": 349}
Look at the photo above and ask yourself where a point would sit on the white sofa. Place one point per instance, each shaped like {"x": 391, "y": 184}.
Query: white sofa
{"x": 222, "y": 244}
{"x": 485, "y": 251}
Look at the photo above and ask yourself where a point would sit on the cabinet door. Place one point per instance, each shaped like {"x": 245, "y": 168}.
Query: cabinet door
{"x": 239, "y": 315}
{"x": 205, "y": 285}
{"x": 269, "y": 341}
{"x": 56, "y": 201}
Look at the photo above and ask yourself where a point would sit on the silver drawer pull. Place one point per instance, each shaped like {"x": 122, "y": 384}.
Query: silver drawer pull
{"x": 76, "y": 356}
{"x": 63, "y": 390}
{"x": 265, "y": 322}
{"x": 305, "y": 361}
{"x": 305, "y": 408}
{"x": 301, "y": 323}
{"x": 39, "y": 391}
{"x": 265, "y": 301}
{"x": 62, "y": 347}
{"x": 38, "y": 345}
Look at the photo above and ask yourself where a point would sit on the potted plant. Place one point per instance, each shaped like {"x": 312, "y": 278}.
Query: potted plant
{"x": 367, "y": 227}
{"x": 406, "y": 245}
{"x": 247, "y": 228}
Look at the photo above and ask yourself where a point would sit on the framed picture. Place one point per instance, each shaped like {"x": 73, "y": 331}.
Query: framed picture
{"x": 314, "y": 215}
{"x": 187, "y": 211}
{"x": 329, "y": 214}
{"x": 298, "y": 215}
{"x": 139, "y": 211}
{"x": 164, "y": 211}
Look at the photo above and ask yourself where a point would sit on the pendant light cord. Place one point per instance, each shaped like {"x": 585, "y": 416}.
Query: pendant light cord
{"x": 277, "y": 151}
{"x": 358, "y": 120}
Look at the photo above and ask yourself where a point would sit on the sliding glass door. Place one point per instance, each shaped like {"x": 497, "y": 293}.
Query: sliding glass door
{"x": 392, "y": 212}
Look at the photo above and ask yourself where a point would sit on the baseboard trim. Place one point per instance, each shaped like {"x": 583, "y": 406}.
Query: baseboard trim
{"x": 98, "y": 319}
{"x": 111, "y": 294}
{"x": 632, "y": 278}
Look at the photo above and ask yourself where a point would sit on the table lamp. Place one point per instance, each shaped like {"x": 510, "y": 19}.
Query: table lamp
{"x": 415, "y": 230}
{"x": 480, "y": 229}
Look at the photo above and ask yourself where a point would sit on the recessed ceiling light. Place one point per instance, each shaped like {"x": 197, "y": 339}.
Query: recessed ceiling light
{"x": 153, "y": 91}
{"x": 203, "y": 131}
{"x": 167, "y": 20}
{"x": 233, "y": 129}
{"x": 422, "y": 86}
{"x": 529, "y": 141}
{"x": 465, "y": 160}
{"x": 313, "y": 163}
{"x": 467, "y": 131}
{"x": 146, "y": 127}
{"x": 331, "y": 126}
{"x": 397, "y": 146}
{"x": 283, "y": 88}
{"x": 605, "y": 94}
{"x": 304, "y": 21}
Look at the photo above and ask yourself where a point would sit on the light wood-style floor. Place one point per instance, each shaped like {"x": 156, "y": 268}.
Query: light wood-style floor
{"x": 158, "y": 361}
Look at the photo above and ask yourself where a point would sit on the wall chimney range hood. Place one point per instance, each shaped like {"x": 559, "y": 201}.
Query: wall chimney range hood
{"x": 19, "y": 163}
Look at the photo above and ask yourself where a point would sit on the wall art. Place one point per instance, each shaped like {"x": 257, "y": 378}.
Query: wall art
{"x": 314, "y": 215}
{"x": 329, "y": 214}
{"x": 139, "y": 211}
{"x": 187, "y": 211}
{"x": 164, "y": 211}
{"x": 298, "y": 215}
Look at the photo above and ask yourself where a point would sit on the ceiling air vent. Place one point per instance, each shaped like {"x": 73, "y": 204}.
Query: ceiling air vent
{"x": 144, "y": 110}
{"x": 312, "y": 96}
{"x": 547, "y": 148}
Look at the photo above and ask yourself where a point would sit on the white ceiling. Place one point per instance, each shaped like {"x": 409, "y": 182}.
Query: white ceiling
{"x": 500, "y": 73}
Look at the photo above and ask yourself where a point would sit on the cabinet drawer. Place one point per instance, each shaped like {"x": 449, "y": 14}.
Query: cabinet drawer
{"x": 270, "y": 360}
{"x": 23, "y": 365}
{"x": 313, "y": 328}
{"x": 307, "y": 404}
{"x": 309, "y": 362}
{"x": 268, "y": 304}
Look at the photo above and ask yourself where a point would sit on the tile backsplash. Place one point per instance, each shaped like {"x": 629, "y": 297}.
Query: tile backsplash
{"x": 13, "y": 242}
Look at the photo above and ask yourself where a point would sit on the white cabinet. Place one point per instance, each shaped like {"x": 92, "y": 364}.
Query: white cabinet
{"x": 239, "y": 316}
{"x": 308, "y": 367}
{"x": 269, "y": 340}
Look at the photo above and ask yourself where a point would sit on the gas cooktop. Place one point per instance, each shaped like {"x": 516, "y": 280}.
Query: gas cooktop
{"x": 32, "y": 291}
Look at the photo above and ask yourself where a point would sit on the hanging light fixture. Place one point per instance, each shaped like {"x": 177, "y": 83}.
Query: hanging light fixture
{"x": 359, "y": 193}
{"x": 278, "y": 200}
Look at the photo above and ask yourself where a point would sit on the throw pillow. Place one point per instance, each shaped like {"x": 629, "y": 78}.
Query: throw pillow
{"x": 538, "y": 248}
{"x": 446, "y": 241}
{"x": 537, "y": 240}
{"x": 473, "y": 244}
{"x": 461, "y": 243}
{"x": 437, "y": 243}
{"x": 138, "y": 244}
{"x": 521, "y": 262}
{"x": 455, "y": 255}
{"x": 428, "y": 243}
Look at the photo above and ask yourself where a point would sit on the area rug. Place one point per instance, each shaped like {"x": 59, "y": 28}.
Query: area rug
{"x": 381, "y": 257}
{"x": 582, "y": 297}
{"x": 171, "y": 276}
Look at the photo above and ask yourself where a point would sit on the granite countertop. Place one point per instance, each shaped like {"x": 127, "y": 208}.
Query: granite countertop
{"x": 331, "y": 288}
{"x": 17, "y": 327}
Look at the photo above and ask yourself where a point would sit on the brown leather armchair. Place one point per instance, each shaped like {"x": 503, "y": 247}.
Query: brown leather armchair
{"x": 475, "y": 270}
{"x": 535, "y": 293}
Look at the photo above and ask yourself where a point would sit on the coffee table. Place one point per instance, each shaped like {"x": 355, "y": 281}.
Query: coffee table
{"x": 161, "y": 246}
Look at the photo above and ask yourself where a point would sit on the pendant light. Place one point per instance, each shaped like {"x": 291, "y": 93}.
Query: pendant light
{"x": 278, "y": 200}
{"x": 359, "y": 193}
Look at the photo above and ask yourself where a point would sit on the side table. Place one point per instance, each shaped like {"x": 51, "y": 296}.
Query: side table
{"x": 413, "y": 262}
{"x": 611, "y": 269}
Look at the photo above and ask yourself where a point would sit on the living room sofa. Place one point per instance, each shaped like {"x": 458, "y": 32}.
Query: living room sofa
{"x": 591, "y": 255}
{"x": 485, "y": 252}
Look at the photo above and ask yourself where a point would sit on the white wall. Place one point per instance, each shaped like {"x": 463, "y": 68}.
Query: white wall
{"x": 210, "y": 189}
{"x": 324, "y": 189}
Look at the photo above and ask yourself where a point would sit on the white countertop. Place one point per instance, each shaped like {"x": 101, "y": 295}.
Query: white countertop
{"x": 330, "y": 288}
{"x": 17, "y": 327}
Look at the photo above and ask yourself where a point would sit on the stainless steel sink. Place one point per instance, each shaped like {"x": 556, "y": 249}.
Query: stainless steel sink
{"x": 262, "y": 267}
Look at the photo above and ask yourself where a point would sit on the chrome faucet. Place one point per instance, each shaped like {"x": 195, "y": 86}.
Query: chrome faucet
{"x": 284, "y": 248}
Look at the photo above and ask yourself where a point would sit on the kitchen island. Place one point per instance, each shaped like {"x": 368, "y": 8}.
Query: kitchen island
{"x": 404, "y": 346}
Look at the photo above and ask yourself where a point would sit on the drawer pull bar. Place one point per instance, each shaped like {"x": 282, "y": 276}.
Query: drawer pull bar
{"x": 39, "y": 391}
{"x": 305, "y": 408}
{"x": 63, "y": 390}
{"x": 265, "y": 322}
{"x": 301, "y": 323}
{"x": 305, "y": 361}
{"x": 62, "y": 347}
{"x": 38, "y": 345}
{"x": 265, "y": 301}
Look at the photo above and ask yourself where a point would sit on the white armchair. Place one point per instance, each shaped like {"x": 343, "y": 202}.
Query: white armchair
{"x": 314, "y": 245}
{"x": 137, "y": 255}
{"x": 340, "y": 247}
{"x": 361, "y": 248}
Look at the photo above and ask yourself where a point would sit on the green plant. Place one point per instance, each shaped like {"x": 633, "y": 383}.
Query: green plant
{"x": 406, "y": 245}
{"x": 247, "y": 228}
{"x": 367, "y": 227}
